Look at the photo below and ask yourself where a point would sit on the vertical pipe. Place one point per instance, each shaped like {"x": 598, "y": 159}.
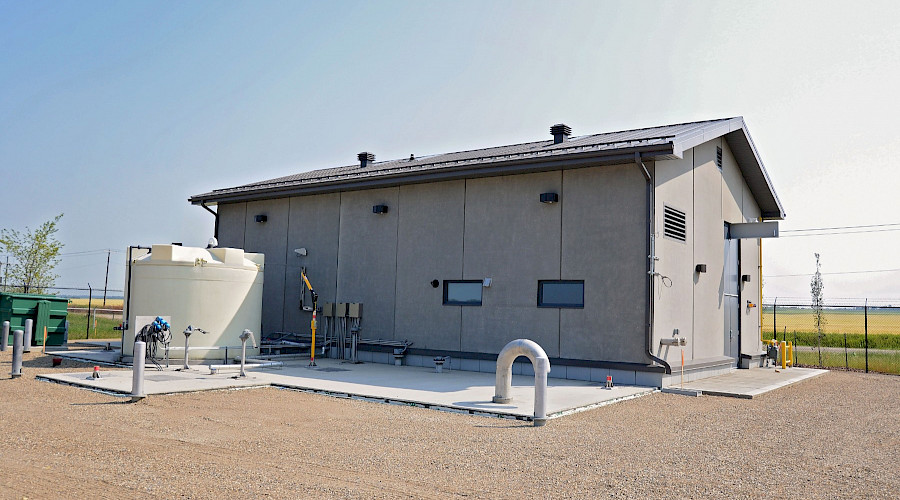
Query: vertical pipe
{"x": 243, "y": 355}
{"x": 5, "y": 340}
{"x": 187, "y": 353}
{"x": 540, "y": 393}
{"x": 137, "y": 369}
{"x": 783, "y": 355}
{"x": 29, "y": 328}
{"x": 17, "y": 354}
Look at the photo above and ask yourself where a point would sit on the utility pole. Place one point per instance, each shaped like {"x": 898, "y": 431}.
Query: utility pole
{"x": 6, "y": 275}
{"x": 106, "y": 281}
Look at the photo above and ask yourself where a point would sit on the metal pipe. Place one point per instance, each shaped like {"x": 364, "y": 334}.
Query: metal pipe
{"x": 213, "y": 369}
{"x": 503, "y": 381}
{"x": 29, "y": 327}
{"x": 137, "y": 372}
{"x": 5, "y": 339}
{"x": 17, "y": 354}
{"x": 651, "y": 260}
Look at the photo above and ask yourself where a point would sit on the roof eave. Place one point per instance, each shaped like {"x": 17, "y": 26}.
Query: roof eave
{"x": 577, "y": 160}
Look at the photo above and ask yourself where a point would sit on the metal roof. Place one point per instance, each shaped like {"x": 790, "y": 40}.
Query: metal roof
{"x": 654, "y": 143}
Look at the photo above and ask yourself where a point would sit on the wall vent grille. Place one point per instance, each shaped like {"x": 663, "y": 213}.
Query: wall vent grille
{"x": 674, "y": 223}
{"x": 719, "y": 157}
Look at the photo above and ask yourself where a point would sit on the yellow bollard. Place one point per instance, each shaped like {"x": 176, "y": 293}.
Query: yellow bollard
{"x": 790, "y": 353}
{"x": 783, "y": 355}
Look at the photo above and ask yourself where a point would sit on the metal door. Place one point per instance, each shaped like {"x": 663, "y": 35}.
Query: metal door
{"x": 731, "y": 299}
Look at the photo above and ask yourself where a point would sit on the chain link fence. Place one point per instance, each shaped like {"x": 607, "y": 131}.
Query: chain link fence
{"x": 93, "y": 313}
{"x": 857, "y": 334}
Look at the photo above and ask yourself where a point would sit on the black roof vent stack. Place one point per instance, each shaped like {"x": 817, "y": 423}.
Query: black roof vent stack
{"x": 561, "y": 132}
{"x": 365, "y": 158}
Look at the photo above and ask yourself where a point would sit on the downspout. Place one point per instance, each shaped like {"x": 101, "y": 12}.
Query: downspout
{"x": 651, "y": 260}
{"x": 216, "y": 228}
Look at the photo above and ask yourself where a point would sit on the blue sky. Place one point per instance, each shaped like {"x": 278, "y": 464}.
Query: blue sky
{"x": 115, "y": 112}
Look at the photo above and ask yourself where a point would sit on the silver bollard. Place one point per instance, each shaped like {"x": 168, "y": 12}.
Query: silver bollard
{"x": 5, "y": 340}
{"x": 17, "y": 354}
{"x": 137, "y": 369}
{"x": 29, "y": 327}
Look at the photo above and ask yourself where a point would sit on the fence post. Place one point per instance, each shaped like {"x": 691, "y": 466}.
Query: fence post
{"x": 775, "y": 319}
{"x": 87, "y": 333}
{"x": 867, "y": 334}
{"x": 795, "y": 345}
{"x": 846, "y": 361}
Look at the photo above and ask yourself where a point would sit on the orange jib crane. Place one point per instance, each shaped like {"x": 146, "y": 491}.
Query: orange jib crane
{"x": 315, "y": 299}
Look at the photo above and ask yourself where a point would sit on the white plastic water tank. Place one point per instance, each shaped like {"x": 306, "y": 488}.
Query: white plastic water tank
{"x": 216, "y": 289}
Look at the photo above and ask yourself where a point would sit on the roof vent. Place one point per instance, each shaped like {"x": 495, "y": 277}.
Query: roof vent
{"x": 365, "y": 158}
{"x": 560, "y": 132}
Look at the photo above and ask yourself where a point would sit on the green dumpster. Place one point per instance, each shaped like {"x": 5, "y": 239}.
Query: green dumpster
{"x": 45, "y": 310}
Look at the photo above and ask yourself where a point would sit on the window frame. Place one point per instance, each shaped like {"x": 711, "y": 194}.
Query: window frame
{"x": 446, "y": 285}
{"x": 540, "y": 294}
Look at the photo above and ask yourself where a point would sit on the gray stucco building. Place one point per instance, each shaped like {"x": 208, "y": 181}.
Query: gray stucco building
{"x": 600, "y": 248}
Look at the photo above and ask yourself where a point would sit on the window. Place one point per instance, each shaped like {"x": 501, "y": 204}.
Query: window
{"x": 462, "y": 292}
{"x": 561, "y": 293}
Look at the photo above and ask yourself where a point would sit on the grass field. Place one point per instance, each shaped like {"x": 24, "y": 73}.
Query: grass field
{"x": 879, "y": 361}
{"x": 103, "y": 330}
{"x": 850, "y": 321}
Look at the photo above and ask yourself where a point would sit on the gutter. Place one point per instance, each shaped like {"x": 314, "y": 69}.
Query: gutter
{"x": 216, "y": 228}
{"x": 651, "y": 259}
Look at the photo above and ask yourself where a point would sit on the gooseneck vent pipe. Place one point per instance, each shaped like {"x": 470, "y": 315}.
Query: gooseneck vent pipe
{"x": 541, "y": 363}
{"x": 651, "y": 259}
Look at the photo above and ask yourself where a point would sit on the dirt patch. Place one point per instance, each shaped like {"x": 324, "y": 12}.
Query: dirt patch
{"x": 837, "y": 435}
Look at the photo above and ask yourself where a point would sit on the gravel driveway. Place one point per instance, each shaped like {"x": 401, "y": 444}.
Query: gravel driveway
{"x": 837, "y": 435}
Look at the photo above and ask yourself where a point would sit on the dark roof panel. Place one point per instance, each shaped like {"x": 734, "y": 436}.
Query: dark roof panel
{"x": 669, "y": 140}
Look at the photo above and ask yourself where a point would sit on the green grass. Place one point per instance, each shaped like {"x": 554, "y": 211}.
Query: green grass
{"x": 103, "y": 330}
{"x": 854, "y": 340}
{"x": 881, "y": 362}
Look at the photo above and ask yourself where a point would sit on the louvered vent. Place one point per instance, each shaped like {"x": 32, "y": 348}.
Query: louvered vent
{"x": 674, "y": 223}
{"x": 719, "y": 157}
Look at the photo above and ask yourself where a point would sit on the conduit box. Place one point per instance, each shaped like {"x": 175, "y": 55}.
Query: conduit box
{"x": 340, "y": 310}
{"x": 328, "y": 309}
{"x": 354, "y": 310}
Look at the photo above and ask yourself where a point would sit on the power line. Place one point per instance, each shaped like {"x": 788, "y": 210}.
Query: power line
{"x": 840, "y": 233}
{"x": 98, "y": 251}
{"x": 842, "y": 272}
{"x": 839, "y": 227}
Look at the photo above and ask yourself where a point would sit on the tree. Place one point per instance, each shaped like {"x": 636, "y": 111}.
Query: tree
{"x": 815, "y": 288}
{"x": 36, "y": 254}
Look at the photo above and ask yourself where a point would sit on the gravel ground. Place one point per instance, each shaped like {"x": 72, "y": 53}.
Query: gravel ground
{"x": 837, "y": 435}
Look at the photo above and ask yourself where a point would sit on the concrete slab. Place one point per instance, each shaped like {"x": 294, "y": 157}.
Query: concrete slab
{"x": 464, "y": 391}
{"x": 750, "y": 383}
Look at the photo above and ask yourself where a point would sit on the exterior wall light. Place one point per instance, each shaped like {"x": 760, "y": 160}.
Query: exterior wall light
{"x": 486, "y": 283}
{"x": 261, "y": 218}
{"x": 380, "y": 209}
{"x": 701, "y": 268}
{"x": 549, "y": 198}
{"x": 745, "y": 278}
